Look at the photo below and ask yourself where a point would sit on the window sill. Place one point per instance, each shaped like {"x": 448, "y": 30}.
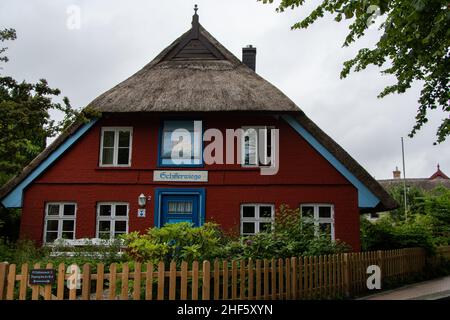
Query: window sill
{"x": 114, "y": 168}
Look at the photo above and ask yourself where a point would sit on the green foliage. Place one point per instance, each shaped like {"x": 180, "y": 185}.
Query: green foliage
{"x": 25, "y": 125}
{"x": 6, "y": 34}
{"x": 176, "y": 242}
{"x": 26, "y": 251}
{"x": 21, "y": 252}
{"x": 387, "y": 234}
{"x": 290, "y": 237}
{"x": 426, "y": 225}
{"x": 414, "y": 46}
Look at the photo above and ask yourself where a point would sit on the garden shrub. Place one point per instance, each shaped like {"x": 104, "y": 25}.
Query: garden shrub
{"x": 290, "y": 237}
{"x": 178, "y": 242}
{"x": 26, "y": 251}
{"x": 387, "y": 234}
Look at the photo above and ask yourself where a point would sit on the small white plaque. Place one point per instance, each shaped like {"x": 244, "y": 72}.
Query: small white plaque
{"x": 180, "y": 176}
{"x": 141, "y": 213}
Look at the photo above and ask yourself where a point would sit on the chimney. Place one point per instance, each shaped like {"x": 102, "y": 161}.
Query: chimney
{"x": 397, "y": 173}
{"x": 249, "y": 57}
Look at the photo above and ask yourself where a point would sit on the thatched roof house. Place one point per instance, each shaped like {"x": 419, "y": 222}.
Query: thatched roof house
{"x": 194, "y": 78}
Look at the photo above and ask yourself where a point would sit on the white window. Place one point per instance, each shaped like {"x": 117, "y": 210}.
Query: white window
{"x": 256, "y": 146}
{"x": 256, "y": 218}
{"x": 115, "y": 146}
{"x": 322, "y": 216}
{"x": 112, "y": 220}
{"x": 59, "y": 221}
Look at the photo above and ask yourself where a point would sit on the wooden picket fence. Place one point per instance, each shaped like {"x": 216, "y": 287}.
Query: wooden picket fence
{"x": 317, "y": 277}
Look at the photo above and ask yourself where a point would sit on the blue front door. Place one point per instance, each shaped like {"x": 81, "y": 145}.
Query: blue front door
{"x": 180, "y": 208}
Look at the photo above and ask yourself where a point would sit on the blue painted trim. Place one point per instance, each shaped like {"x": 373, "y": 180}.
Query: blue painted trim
{"x": 14, "y": 198}
{"x": 201, "y": 192}
{"x": 366, "y": 199}
{"x": 160, "y": 134}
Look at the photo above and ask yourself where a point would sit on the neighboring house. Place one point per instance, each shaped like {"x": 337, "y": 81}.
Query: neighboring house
{"x": 438, "y": 178}
{"x": 117, "y": 174}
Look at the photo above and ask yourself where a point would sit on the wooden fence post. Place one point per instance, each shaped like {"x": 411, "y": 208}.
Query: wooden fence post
{"x": 60, "y": 281}
{"x": 100, "y": 281}
{"x": 3, "y": 278}
{"x": 161, "y": 278}
{"x": 206, "y": 280}
{"x": 380, "y": 258}
{"x": 172, "y": 280}
{"x": 86, "y": 289}
{"x": 48, "y": 287}
{"x": 23, "y": 282}
{"x": 194, "y": 280}
{"x": 137, "y": 281}
{"x": 11, "y": 282}
{"x": 346, "y": 275}
{"x": 183, "y": 284}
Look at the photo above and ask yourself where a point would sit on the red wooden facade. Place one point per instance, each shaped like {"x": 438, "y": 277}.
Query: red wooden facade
{"x": 304, "y": 177}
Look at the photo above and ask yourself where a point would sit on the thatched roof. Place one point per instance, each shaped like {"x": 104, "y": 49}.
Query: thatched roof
{"x": 195, "y": 73}
{"x": 421, "y": 183}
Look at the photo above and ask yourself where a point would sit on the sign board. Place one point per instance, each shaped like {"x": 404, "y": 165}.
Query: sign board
{"x": 141, "y": 213}
{"x": 42, "y": 276}
{"x": 180, "y": 176}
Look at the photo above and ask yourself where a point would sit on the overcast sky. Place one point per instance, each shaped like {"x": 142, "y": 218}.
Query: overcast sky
{"x": 116, "y": 38}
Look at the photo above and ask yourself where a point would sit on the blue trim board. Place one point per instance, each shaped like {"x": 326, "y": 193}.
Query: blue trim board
{"x": 366, "y": 199}
{"x": 14, "y": 198}
{"x": 201, "y": 192}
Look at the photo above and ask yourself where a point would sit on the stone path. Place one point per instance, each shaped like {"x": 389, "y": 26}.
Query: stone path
{"x": 427, "y": 290}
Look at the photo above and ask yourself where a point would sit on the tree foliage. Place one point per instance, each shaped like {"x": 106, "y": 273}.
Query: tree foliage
{"x": 25, "y": 126}
{"x": 414, "y": 46}
{"x": 427, "y": 224}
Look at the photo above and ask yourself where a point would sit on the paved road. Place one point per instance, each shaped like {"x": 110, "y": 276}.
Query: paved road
{"x": 427, "y": 290}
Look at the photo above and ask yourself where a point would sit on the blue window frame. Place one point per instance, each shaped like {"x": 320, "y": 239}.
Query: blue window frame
{"x": 180, "y": 204}
{"x": 180, "y": 143}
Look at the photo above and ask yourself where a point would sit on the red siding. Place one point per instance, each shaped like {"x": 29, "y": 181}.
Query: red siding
{"x": 304, "y": 177}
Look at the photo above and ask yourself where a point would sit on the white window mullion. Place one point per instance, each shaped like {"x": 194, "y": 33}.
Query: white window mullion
{"x": 113, "y": 221}
{"x": 116, "y": 147}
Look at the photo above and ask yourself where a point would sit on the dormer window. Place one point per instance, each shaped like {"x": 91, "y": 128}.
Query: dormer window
{"x": 181, "y": 144}
{"x": 115, "y": 147}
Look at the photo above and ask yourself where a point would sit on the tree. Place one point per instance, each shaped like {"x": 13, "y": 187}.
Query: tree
{"x": 414, "y": 46}
{"x": 25, "y": 125}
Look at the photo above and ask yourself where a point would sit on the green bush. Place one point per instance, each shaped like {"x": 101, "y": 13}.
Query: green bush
{"x": 21, "y": 252}
{"x": 290, "y": 237}
{"x": 388, "y": 234}
{"x": 176, "y": 242}
{"x": 26, "y": 251}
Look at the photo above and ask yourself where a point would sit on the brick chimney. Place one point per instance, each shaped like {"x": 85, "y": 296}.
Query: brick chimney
{"x": 397, "y": 173}
{"x": 249, "y": 57}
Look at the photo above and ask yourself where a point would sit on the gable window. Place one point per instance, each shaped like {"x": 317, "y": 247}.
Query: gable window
{"x": 322, "y": 215}
{"x": 112, "y": 220}
{"x": 181, "y": 143}
{"x": 256, "y": 146}
{"x": 115, "y": 147}
{"x": 59, "y": 221}
{"x": 256, "y": 218}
